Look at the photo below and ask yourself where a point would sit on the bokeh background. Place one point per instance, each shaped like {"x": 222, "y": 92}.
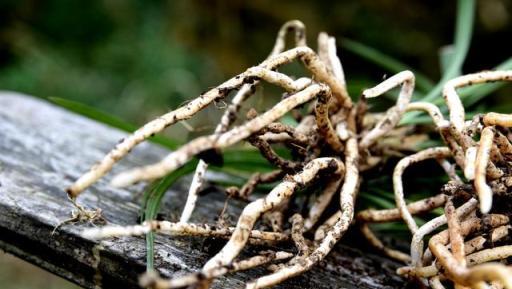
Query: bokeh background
{"x": 139, "y": 59}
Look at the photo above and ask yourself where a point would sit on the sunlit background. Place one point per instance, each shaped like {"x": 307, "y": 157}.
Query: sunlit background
{"x": 139, "y": 59}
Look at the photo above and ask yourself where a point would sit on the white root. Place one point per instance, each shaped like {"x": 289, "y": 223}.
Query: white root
{"x": 347, "y": 198}
{"x": 331, "y": 129}
{"x": 500, "y": 119}
{"x": 228, "y": 117}
{"x": 177, "y": 229}
{"x": 437, "y": 152}
{"x": 377, "y": 244}
{"x": 153, "y": 281}
{"x": 300, "y": 36}
{"x": 457, "y": 115}
{"x": 483, "y": 190}
{"x": 469, "y": 163}
{"x": 478, "y": 243}
{"x": 456, "y": 239}
{"x": 183, "y": 154}
{"x": 429, "y": 108}
{"x": 275, "y": 78}
{"x": 480, "y": 257}
{"x": 487, "y": 255}
{"x": 321, "y": 203}
{"x": 297, "y": 235}
{"x": 449, "y": 169}
{"x": 438, "y": 241}
{"x": 193, "y": 191}
{"x": 308, "y": 57}
{"x": 230, "y": 114}
{"x": 380, "y": 216}
{"x": 327, "y": 52}
{"x": 388, "y": 215}
{"x": 394, "y": 114}
{"x": 335, "y": 63}
{"x": 461, "y": 274}
{"x": 430, "y": 226}
{"x": 322, "y": 230}
{"x": 277, "y": 196}
{"x": 435, "y": 283}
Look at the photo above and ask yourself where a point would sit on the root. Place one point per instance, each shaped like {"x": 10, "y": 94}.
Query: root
{"x": 482, "y": 160}
{"x": 151, "y": 280}
{"x": 308, "y": 57}
{"x": 429, "y": 227}
{"x": 439, "y": 152}
{"x": 348, "y": 192}
{"x": 255, "y": 209}
{"x": 273, "y": 158}
{"x": 453, "y": 100}
{"x": 394, "y": 114}
{"x": 321, "y": 203}
{"x": 178, "y": 229}
{"x": 298, "y": 235}
{"x": 256, "y": 179}
{"x": 227, "y": 119}
{"x": 186, "y": 152}
{"x": 335, "y": 145}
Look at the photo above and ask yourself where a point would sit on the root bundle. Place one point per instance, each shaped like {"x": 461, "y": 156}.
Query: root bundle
{"x": 337, "y": 140}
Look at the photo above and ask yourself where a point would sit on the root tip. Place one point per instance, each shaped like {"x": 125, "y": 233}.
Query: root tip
{"x": 72, "y": 191}
{"x": 485, "y": 205}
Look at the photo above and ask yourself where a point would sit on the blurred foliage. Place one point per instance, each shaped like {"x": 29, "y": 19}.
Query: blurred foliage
{"x": 137, "y": 59}
{"x": 115, "y": 55}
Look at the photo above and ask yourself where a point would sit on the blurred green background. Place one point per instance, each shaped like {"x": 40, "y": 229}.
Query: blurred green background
{"x": 139, "y": 59}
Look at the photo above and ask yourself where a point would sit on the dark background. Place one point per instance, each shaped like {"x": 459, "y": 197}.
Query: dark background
{"x": 137, "y": 59}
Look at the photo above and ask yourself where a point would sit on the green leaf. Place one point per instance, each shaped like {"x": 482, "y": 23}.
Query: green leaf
{"x": 108, "y": 119}
{"x": 150, "y": 251}
{"x": 289, "y": 120}
{"x": 446, "y": 55}
{"x": 463, "y": 33}
{"x": 385, "y": 61}
{"x": 152, "y": 200}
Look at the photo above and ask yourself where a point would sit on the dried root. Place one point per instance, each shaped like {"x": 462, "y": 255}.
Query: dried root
{"x": 335, "y": 143}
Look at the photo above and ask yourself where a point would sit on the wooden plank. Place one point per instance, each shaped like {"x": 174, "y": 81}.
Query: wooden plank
{"x": 44, "y": 148}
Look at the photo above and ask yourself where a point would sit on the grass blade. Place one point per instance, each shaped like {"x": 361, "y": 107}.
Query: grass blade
{"x": 446, "y": 54}
{"x": 463, "y": 33}
{"x": 152, "y": 200}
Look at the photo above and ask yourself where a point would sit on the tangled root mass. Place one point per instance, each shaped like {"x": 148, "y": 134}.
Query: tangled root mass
{"x": 337, "y": 140}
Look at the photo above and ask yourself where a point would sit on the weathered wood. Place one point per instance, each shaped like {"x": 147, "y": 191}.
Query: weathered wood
{"x": 43, "y": 148}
